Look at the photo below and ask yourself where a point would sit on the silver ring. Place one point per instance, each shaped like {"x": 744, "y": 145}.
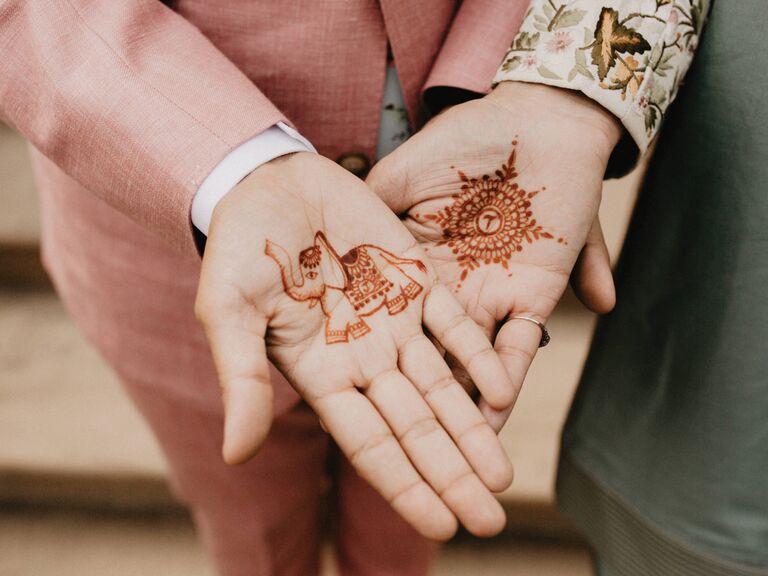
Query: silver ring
{"x": 544, "y": 334}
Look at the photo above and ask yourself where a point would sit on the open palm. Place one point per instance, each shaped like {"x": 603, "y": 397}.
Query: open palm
{"x": 502, "y": 201}
{"x": 305, "y": 265}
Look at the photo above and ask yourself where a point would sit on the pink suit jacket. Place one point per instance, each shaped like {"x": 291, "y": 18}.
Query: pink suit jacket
{"x": 129, "y": 105}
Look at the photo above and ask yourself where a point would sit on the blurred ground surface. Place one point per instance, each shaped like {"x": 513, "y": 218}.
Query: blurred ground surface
{"x": 19, "y": 221}
{"x": 70, "y": 544}
{"x": 69, "y": 436}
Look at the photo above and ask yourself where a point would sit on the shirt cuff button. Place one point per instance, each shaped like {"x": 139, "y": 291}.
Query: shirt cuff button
{"x": 356, "y": 163}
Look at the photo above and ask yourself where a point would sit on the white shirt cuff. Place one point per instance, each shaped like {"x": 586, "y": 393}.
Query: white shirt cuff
{"x": 277, "y": 140}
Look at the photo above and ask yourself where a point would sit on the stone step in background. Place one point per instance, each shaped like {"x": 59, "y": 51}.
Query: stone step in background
{"x": 19, "y": 221}
{"x": 79, "y": 544}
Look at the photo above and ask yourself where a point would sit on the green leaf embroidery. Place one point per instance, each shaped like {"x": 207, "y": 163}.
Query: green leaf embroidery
{"x": 581, "y": 58}
{"x": 663, "y": 65}
{"x": 653, "y": 59}
{"x": 698, "y": 20}
{"x": 651, "y": 116}
{"x": 658, "y": 94}
{"x": 589, "y": 36}
{"x": 511, "y": 63}
{"x": 545, "y": 72}
{"x": 572, "y": 74}
{"x": 525, "y": 42}
{"x": 569, "y": 18}
{"x": 584, "y": 71}
{"x": 548, "y": 11}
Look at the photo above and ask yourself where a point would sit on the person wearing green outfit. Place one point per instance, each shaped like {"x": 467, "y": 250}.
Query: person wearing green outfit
{"x": 664, "y": 464}
{"x": 665, "y": 454}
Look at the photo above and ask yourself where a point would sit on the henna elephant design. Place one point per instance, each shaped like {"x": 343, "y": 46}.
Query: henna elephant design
{"x": 347, "y": 287}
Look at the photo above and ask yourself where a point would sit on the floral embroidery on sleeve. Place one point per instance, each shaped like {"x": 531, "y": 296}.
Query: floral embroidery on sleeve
{"x": 628, "y": 55}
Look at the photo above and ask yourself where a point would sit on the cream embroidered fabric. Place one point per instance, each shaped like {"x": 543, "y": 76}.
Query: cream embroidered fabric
{"x": 627, "y": 55}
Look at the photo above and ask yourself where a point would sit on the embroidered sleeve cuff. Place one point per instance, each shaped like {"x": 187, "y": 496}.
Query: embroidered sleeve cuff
{"x": 628, "y": 55}
{"x": 277, "y": 140}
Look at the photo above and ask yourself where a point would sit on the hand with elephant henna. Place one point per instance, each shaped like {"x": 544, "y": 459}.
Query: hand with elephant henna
{"x": 502, "y": 193}
{"x": 307, "y": 267}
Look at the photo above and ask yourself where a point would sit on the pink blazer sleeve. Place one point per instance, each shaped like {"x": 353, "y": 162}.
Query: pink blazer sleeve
{"x": 129, "y": 99}
{"x": 477, "y": 41}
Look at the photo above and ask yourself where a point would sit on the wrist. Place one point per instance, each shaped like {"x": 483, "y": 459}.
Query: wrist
{"x": 281, "y": 165}
{"x": 594, "y": 124}
{"x": 290, "y": 175}
{"x": 268, "y": 178}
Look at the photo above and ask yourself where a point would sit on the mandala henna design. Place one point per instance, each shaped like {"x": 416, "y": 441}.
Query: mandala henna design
{"x": 349, "y": 287}
{"x": 490, "y": 219}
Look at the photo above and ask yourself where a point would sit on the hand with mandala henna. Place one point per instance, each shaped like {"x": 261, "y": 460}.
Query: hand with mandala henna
{"x": 502, "y": 193}
{"x": 306, "y": 266}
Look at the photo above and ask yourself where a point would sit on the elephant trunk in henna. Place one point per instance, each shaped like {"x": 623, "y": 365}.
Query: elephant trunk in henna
{"x": 350, "y": 287}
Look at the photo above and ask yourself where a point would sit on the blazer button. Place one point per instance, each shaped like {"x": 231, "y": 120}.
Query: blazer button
{"x": 356, "y": 163}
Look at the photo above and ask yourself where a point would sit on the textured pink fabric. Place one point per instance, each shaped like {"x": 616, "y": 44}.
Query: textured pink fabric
{"x": 482, "y": 30}
{"x": 129, "y": 99}
{"x": 129, "y": 106}
{"x": 263, "y": 518}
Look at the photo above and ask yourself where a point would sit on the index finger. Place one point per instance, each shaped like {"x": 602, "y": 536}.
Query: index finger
{"x": 465, "y": 340}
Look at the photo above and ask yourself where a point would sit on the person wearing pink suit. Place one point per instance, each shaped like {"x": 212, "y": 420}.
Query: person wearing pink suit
{"x": 128, "y": 106}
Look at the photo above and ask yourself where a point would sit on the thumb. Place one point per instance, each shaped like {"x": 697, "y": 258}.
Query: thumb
{"x": 239, "y": 352}
{"x": 389, "y": 181}
{"x": 592, "y": 278}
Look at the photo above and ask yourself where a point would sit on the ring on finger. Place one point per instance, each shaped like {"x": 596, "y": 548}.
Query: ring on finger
{"x": 545, "y": 338}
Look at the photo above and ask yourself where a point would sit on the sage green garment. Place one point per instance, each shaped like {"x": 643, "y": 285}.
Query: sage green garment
{"x": 665, "y": 453}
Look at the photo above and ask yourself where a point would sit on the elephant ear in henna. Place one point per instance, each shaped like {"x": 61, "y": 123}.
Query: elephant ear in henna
{"x": 611, "y": 37}
{"x": 287, "y": 274}
{"x": 331, "y": 269}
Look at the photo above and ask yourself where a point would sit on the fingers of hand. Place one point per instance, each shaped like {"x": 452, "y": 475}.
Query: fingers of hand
{"x": 592, "y": 278}
{"x": 376, "y": 454}
{"x": 434, "y": 454}
{"x": 516, "y": 344}
{"x": 495, "y": 418}
{"x": 425, "y": 367}
{"x": 464, "y": 339}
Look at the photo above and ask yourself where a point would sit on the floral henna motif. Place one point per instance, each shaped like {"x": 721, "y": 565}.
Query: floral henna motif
{"x": 490, "y": 219}
{"x": 347, "y": 287}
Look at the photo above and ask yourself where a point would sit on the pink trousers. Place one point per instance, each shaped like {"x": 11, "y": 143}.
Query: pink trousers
{"x": 264, "y": 518}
